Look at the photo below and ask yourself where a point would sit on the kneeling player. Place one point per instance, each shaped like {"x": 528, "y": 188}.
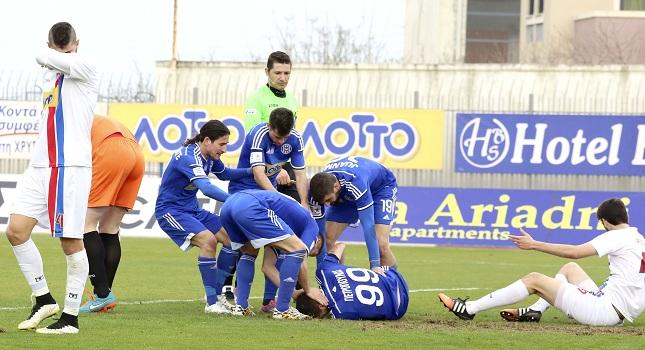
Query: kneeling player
{"x": 356, "y": 293}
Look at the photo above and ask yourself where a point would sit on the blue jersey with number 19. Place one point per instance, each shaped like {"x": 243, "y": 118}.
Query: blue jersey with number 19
{"x": 361, "y": 294}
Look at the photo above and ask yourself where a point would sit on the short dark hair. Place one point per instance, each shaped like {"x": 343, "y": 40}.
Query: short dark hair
{"x": 213, "y": 129}
{"x": 321, "y": 185}
{"x": 310, "y": 307}
{"x": 278, "y": 57}
{"x": 613, "y": 211}
{"x": 62, "y": 34}
{"x": 281, "y": 120}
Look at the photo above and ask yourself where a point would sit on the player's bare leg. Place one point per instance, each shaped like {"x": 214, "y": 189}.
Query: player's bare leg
{"x": 383, "y": 237}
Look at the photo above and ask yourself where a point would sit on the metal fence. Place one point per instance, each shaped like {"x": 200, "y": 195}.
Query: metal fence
{"x": 607, "y": 90}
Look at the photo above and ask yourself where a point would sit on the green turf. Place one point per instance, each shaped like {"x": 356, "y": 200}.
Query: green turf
{"x": 154, "y": 270}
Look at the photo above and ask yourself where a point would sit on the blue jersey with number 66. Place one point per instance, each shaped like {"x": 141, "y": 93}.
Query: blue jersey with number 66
{"x": 360, "y": 294}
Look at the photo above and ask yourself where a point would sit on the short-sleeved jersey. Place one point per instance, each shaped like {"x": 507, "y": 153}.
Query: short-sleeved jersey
{"x": 259, "y": 149}
{"x": 359, "y": 178}
{"x": 102, "y": 127}
{"x": 258, "y": 106}
{"x": 176, "y": 189}
{"x": 356, "y": 293}
{"x": 286, "y": 208}
{"x": 70, "y": 83}
{"x": 625, "y": 250}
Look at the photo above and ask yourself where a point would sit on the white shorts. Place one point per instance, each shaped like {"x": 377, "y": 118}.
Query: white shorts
{"x": 592, "y": 308}
{"x": 56, "y": 198}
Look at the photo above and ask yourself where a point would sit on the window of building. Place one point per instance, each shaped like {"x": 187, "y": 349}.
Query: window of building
{"x": 540, "y": 7}
{"x": 535, "y": 33}
{"x": 531, "y": 7}
{"x": 538, "y": 32}
{"x": 492, "y": 31}
{"x": 632, "y": 5}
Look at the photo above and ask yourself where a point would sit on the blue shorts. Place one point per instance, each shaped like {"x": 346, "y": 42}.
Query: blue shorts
{"x": 181, "y": 226}
{"x": 245, "y": 220}
{"x": 384, "y": 205}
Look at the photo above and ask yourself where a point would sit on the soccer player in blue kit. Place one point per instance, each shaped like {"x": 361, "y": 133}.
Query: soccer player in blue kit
{"x": 257, "y": 218}
{"x": 357, "y": 188}
{"x": 179, "y": 214}
{"x": 356, "y": 293}
{"x": 267, "y": 147}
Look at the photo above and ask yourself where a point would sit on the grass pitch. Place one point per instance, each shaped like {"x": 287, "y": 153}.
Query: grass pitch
{"x": 160, "y": 306}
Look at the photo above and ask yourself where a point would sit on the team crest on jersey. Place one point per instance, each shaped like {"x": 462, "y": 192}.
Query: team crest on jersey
{"x": 286, "y": 148}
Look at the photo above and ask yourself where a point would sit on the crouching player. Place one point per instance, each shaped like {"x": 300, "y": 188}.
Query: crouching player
{"x": 356, "y": 293}
{"x": 258, "y": 218}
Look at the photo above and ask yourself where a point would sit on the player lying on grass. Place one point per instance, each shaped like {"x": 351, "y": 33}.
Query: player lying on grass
{"x": 620, "y": 297}
{"x": 356, "y": 293}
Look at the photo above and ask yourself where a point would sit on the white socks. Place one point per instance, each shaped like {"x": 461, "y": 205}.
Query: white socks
{"x": 77, "y": 271}
{"x": 31, "y": 265}
{"x": 510, "y": 294}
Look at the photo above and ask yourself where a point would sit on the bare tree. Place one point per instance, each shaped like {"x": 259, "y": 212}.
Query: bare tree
{"x": 608, "y": 43}
{"x": 330, "y": 44}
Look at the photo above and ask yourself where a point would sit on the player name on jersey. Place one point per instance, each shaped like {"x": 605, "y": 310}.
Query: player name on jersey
{"x": 345, "y": 288}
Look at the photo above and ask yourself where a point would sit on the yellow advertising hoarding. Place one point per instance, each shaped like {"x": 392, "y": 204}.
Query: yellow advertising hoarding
{"x": 397, "y": 138}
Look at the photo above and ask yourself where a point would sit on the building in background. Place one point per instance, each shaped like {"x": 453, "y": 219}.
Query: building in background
{"x": 582, "y": 32}
{"x": 524, "y": 31}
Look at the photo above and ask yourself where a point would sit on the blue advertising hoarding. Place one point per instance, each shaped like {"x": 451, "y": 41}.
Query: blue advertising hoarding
{"x": 550, "y": 144}
{"x": 485, "y": 217}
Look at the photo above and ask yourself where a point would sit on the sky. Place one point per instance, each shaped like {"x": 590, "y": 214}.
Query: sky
{"x": 131, "y": 35}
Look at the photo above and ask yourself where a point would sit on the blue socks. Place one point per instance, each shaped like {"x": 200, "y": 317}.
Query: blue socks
{"x": 226, "y": 261}
{"x": 288, "y": 277}
{"x": 245, "y": 272}
{"x": 208, "y": 269}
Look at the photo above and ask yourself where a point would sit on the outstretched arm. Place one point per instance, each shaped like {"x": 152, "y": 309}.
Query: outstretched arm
{"x": 261, "y": 178}
{"x": 210, "y": 190}
{"x": 314, "y": 293}
{"x": 367, "y": 222}
{"x": 302, "y": 185}
{"x": 233, "y": 174}
{"x": 525, "y": 241}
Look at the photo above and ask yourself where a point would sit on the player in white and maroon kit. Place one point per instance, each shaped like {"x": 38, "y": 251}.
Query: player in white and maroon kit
{"x": 620, "y": 297}
{"x": 54, "y": 190}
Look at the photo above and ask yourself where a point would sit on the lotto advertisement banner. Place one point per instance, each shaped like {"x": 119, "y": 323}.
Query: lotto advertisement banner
{"x": 19, "y": 126}
{"x": 431, "y": 216}
{"x": 403, "y": 139}
{"x": 550, "y": 144}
